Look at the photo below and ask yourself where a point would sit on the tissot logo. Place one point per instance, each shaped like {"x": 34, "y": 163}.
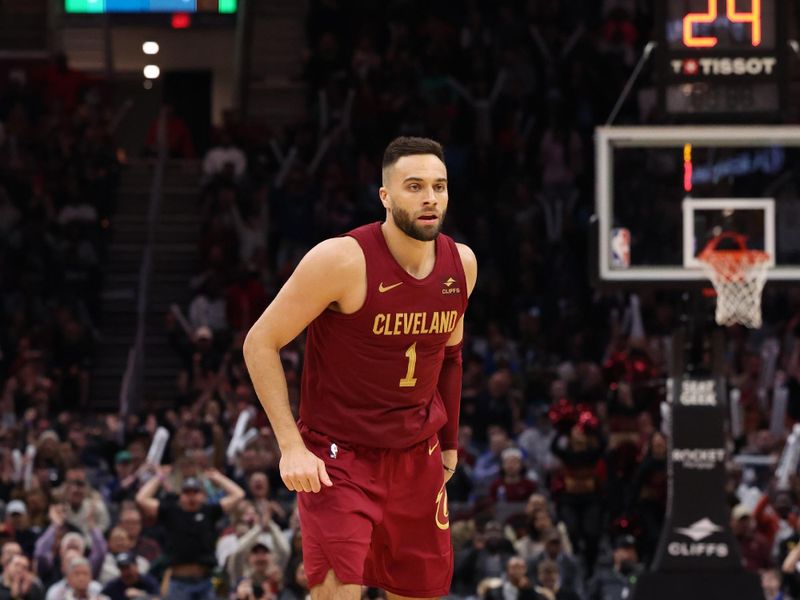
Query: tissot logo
{"x": 725, "y": 66}
{"x": 699, "y": 530}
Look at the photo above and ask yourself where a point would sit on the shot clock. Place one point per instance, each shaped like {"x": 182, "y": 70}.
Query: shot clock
{"x": 722, "y": 60}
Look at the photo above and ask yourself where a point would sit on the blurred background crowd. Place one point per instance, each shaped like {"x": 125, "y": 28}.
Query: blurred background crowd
{"x": 560, "y": 489}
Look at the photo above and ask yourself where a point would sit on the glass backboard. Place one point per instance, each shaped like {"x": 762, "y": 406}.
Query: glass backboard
{"x": 663, "y": 192}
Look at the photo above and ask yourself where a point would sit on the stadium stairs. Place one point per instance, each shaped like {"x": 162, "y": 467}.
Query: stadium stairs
{"x": 175, "y": 260}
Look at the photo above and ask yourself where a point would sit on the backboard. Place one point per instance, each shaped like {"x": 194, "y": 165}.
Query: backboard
{"x": 663, "y": 192}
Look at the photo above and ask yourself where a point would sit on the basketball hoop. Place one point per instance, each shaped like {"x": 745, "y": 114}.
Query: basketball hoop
{"x": 738, "y": 276}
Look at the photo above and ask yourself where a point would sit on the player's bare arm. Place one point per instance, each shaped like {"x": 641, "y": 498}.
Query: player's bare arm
{"x": 331, "y": 275}
{"x": 450, "y": 457}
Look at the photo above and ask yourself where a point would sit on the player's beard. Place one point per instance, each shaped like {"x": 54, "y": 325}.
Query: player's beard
{"x": 409, "y": 226}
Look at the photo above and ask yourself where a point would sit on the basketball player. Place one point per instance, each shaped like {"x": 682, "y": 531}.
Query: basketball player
{"x": 377, "y": 435}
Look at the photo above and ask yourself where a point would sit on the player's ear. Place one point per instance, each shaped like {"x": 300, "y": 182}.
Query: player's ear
{"x": 383, "y": 193}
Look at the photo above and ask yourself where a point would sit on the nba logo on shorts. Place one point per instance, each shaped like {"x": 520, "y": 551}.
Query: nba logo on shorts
{"x": 620, "y": 248}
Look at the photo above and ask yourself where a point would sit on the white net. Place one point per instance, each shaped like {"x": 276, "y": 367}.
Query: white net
{"x": 738, "y": 277}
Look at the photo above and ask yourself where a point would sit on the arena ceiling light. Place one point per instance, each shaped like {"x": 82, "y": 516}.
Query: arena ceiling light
{"x": 150, "y": 48}
{"x": 152, "y": 71}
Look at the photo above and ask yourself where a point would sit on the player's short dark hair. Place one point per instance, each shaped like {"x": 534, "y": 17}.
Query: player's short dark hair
{"x": 410, "y": 146}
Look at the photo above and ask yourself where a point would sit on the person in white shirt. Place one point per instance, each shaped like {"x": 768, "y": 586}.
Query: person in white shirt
{"x": 224, "y": 156}
{"x": 77, "y": 583}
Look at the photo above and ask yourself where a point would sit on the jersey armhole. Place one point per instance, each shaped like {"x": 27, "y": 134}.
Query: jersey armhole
{"x": 370, "y": 292}
{"x": 461, "y": 273}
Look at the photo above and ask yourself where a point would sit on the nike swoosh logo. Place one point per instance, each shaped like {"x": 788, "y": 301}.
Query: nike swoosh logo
{"x": 385, "y": 288}
{"x": 432, "y": 448}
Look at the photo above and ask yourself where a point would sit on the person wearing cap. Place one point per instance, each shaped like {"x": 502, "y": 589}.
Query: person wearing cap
{"x": 190, "y": 524}
{"x": 513, "y": 485}
{"x": 568, "y": 569}
{"x": 130, "y": 583}
{"x": 17, "y": 521}
{"x": 754, "y": 546}
{"x": 618, "y": 581}
{"x": 247, "y": 560}
{"x": 124, "y": 485}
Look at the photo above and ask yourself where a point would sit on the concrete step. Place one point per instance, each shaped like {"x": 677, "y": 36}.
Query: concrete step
{"x": 190, "y": 219}
{"x": 118, "y": 294}
{"x": 130, "y": 235}
{"x": 174, "y": 233}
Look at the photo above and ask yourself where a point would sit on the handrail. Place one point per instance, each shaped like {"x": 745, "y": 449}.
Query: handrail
{"x": 132, "y": 379}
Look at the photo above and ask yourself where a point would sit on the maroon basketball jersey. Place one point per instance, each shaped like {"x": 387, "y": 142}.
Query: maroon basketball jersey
{"x": 370, "y": 377}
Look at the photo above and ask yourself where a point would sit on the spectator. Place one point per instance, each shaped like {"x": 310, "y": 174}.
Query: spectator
{"x": 581, "y": 452}
{"x": 131, "y": 583}
{"x": 263, "y": 532}
{"x": 17, "y": 521}
{"x": 58, "y": 539}
{"x": 123, "y": 486}
{"x": 170, "y": 129}
{"x": 119, "y": 543}
{"x": 754, "y": 546}
{"x": 771, "y": 584}
{"x": 516, "y": 584}
{"x": 18, "y": 581}
{"x": 85, "y": 508}
{"x": 225, "y": 160}
{"x": 8, "y": 551}
{"x": 77, "y": 583}
{"x": 617, "y": 582}
{"x": 513, "y": 485}
{"x": 649, "y": 494}
{"x": 190, "y": 524}
{"x": 569, "y": 574}
{"x": 259, "y": 567}
{"x": 485, "y": 557}
{"x": 539, "y": 526}
{"x": 487, "y": 466}
{"x": 549, "y": 578}
{"x": 130, "y": 519}
{"x": 258, "y": 490}
{"x": 297, "y": 586}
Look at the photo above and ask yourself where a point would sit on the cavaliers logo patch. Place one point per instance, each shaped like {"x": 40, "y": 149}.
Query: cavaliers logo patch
{"x": 442, "y": 514}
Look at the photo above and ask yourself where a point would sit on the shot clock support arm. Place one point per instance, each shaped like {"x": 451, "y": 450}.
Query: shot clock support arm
{"x": 648, "y": 50}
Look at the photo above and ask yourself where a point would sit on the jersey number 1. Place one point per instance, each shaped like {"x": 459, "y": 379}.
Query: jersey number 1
{"x": 411, "y": 354}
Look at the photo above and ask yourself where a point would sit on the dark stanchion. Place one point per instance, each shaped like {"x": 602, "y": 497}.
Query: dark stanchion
{"x": 697, "y": 556}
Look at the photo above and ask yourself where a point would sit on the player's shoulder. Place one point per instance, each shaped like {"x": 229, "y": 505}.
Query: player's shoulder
{"x": 470, "y": 264}
{"x": 466, "y": 254}
{"x": 338, "y": 255}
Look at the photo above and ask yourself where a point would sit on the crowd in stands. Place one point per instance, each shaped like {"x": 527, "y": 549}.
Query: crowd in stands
{"x": 560, "y": 489}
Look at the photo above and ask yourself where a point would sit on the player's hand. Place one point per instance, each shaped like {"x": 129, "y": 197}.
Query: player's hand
{"x": 449, "y": 460}
{"x": 302, "y": 471}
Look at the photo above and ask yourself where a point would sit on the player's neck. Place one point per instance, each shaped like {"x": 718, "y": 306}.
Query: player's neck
{"x": 417, "y": 258}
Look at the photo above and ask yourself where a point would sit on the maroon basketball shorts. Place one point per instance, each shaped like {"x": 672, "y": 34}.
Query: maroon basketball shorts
{"x": 383, "y": 523}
